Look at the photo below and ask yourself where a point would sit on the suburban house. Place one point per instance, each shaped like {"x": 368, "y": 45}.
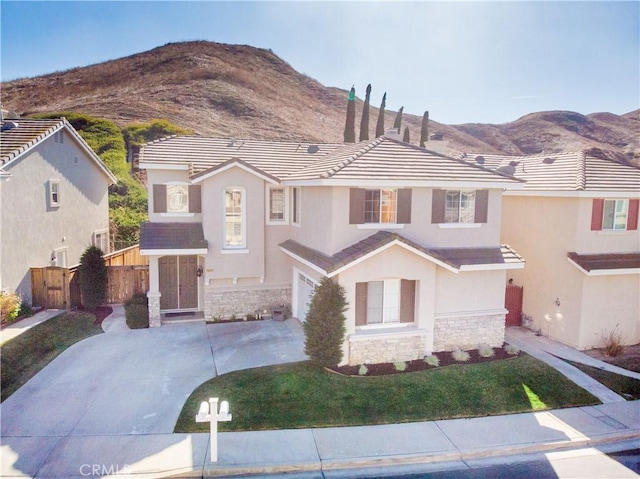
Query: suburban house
{"x": 53, "y": 199}
{"x": 576, "y": 223}
{"x": 246, "y": 227}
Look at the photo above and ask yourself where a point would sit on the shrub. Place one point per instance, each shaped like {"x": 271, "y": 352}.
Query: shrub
{"x": 325, "y": 328}
{"x": 486, "y": 351}
{"x": 400, "y": 366}
{"x": 136, "y": 312}
{"x": 93, "y": 277}
{"x": 432, "y": 360}
{"x": 511, "y": 350}
{"x": 460, "y": 355}
{"x": 9, "y": 306}
{"x": 613, "y": 341}
{"x": 363, "y": 370}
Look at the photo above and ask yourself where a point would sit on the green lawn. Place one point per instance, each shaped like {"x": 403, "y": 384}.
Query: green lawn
{"x": 627, "y": 387}
{"x": 300, "y": 395}
{"x": 22, "y": 357}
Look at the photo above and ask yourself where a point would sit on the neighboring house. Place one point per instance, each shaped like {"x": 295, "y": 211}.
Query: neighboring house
{"x": 53, "y": 199}
{"x": 241, "y": 227}
{"x": 576, "y": 223}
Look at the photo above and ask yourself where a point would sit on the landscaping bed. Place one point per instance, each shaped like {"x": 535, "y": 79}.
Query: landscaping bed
{"x": 445, "y": 358}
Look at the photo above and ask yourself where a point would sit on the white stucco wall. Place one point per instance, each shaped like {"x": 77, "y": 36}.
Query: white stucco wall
{"x": 31, "y": 230}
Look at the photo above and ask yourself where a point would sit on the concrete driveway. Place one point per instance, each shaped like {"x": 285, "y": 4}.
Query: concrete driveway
{"x": 136, "y": 382}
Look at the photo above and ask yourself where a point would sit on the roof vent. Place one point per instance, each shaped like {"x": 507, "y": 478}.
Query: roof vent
{"x": 313, "y": 149}
{"x": 9, "y": 125}
{"x": 514, "y": 163}
{"x": 480, "y": 159}
{"x": 548, "y": 161}
{"x": 507, "y": 170}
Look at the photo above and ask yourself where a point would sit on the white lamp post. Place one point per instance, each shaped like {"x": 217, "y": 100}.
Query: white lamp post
{"x": 209, "y": 413}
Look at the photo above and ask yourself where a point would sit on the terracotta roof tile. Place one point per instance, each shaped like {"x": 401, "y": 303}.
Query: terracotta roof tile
{"x": 14, "y": 140}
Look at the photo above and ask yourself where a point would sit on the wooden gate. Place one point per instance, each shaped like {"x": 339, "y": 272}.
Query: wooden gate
{"x": 125, "y": 281}
{"x": 513, "y": 303}
{"x": 50, "y": 287}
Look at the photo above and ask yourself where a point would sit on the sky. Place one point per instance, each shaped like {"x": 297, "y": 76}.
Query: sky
{"x": 463, "y": 61}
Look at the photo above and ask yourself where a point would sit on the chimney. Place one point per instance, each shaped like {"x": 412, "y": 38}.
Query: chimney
{"x": 393, "y": 134}
{"x": 437, "y": 143}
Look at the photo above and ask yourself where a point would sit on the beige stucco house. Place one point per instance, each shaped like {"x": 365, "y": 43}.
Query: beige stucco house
{"x": 53, "y": 199}
{"x": 239, "y": 227}
{"x": 576, "y": 223}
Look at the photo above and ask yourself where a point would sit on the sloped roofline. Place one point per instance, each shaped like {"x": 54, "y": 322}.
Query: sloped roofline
{"x": 234, "y": 162}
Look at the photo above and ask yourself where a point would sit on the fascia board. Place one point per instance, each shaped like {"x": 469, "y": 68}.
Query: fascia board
{"x": 304, "y": 261}
{"x": 144, "y": 165}
{"x": 175, "y": 252}
{"x": 575, "y": 194}
{"x": 491, "y": 266}
{"x": 234, "y": 165}
{"x": 604, "y": 272}
{"x": 403, "y": 183}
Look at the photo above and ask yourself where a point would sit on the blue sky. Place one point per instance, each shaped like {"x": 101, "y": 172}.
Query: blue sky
{"x": 487, "y": 62}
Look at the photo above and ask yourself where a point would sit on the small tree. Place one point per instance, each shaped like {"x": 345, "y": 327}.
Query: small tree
{"x": 93, "y": 277}
{"x": 364, "y": 122}
{"x": 397, "y": 124}
{"x": 406, "y": 137}
{"x": 424, "y": 131}
{"x": 350, "y": 124}
{"x": 325, "y": 328}
{"x": 380, "y": 124}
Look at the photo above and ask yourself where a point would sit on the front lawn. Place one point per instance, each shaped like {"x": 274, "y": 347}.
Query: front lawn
{"x": 23, "y": 356}
{"x": 299, "y": 395}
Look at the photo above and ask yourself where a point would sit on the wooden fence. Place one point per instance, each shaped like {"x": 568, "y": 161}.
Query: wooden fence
{"x": 53, "y": 287}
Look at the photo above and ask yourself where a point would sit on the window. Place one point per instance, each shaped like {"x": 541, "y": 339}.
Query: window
{"x": 295, "y": 206}
{"x": 459, "y": 206}
{"x": 101, "y": 240}
{"x": 379, "y": 206}
{"x": 54, "y": 193}
{"x": 234, "y": 218}
{"x": 389, "y": 301}
{"x": 277, "y": 205}
{"x": 59, "y": 257}
{"x": 177, "y": 199}
{"x": 615, "y": 215}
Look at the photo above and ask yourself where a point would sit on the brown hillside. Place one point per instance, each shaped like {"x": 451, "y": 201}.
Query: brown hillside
{"x": 246, "y": 92}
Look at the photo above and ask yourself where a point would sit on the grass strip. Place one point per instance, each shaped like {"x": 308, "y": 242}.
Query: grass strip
{"x": 23, "y": 356}
{"x": 300, "y": 396}
{"x": 628, "y": 388}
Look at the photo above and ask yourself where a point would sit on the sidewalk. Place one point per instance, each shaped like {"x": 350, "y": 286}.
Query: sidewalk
{"x": 23, "y": 325}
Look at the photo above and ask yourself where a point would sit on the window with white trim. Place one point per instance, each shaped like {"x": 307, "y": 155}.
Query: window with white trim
{"x": 460, "y": 206}
{"x": 388, "y": 301}
{"x": 234, "y": 218}
{"x": 380, "y": 206}
{"x": 101, "y": 240}
{"x": 295, "y": 206}
{"x": 54, "y": 193}
{"x": 614, "y": 215}
{"x": 277, "y": 205}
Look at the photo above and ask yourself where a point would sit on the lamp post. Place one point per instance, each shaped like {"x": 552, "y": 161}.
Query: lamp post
{"x": 209, "y": 413}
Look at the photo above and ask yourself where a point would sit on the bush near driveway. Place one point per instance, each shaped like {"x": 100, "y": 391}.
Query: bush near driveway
{"x": 136, "y": 312}
{"x": 302, "y": 395}
{"x": 23, "y": 356}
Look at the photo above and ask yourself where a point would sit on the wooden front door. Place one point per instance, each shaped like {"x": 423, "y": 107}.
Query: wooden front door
{"x": 178, "y": 282}
{"x": 513, "y": 303}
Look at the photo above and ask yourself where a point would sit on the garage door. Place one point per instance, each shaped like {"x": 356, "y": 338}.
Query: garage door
{"x": 305, "y": 291}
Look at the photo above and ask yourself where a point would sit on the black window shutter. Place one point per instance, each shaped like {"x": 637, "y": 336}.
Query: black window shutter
{"x": 159, "y": 198}
{"x": 404, "y": 206}
{"x": 482, "y": 206}
{"x": 356, "y": 206}
{"x": 437, "y": 206}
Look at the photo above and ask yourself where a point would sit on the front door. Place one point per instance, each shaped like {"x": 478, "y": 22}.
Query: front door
{"x": 178, "y": 282}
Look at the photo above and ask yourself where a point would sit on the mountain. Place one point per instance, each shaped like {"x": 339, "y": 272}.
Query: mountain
{"x": 246, "y": 92}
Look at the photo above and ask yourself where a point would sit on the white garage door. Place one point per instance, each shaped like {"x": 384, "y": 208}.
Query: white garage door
{"x": 305, "y": 291}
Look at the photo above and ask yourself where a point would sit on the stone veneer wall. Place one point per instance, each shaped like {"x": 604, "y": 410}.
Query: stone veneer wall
{"x": 223, "y": 303}
{"x": 386, "y": 349}
{"x": 467, "y": 332}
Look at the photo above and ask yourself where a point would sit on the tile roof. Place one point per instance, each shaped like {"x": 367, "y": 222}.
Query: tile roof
{"x": 24, "y": 135}
{"x": 569, "y": 171}
{"x": 380, "y": 159}
{"x": 456, "y": 259}
{"x": 596, "y": 262}
{"x": 172, "y": 236}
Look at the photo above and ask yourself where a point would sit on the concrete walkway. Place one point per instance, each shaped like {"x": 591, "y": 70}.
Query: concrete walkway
{"x": 107, "y": 406}
{"x": 26, "y": 324}
{"x": 116, "y": 321}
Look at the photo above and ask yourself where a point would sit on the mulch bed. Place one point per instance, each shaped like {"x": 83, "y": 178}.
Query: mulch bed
{"x": 446, "y": 359}
{"x": 100, "y": 313}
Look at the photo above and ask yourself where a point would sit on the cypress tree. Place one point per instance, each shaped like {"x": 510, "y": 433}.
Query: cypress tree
{"x": 93, "y": 277}
{"x": 406, "y": 135}
{"x": 364, "y": 122}
{"x": 424, "y": 132}
{"x": 397, "y": 123}
{"x": 350, "y": 125}
{"x": 380, "y": 125}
